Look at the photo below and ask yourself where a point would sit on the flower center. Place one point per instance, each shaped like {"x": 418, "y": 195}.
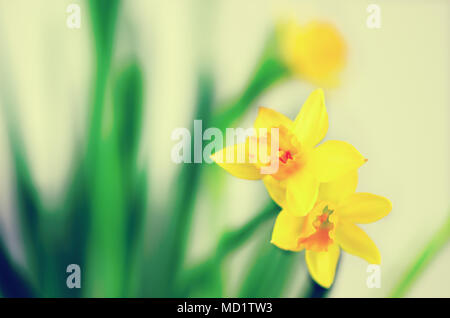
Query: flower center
{"x": 289, "y": 154}
{"x": 323, "y": 221}
{"x": 319, "y": 229}
{"x": 284, "y": 156}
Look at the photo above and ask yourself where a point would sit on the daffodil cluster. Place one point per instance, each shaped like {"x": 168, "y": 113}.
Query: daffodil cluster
{"x": 315, "y": 185}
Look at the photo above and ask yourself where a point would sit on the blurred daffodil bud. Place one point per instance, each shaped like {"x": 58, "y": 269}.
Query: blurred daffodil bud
{"x": 316, "y": 51}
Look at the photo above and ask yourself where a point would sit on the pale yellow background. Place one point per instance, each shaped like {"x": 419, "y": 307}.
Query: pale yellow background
{"x": 393, "y": 105}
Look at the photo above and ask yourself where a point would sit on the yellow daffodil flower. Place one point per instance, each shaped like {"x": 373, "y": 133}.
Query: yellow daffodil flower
{"x": 302, "y": 165}
{"x": 315, "y": 51}
{"x": 330, "y": 225}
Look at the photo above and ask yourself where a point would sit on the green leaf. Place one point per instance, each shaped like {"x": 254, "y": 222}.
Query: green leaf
{"x": 128, "y": 115}
{"x": 165, "y": 261}
{"x": 106, "y": 246}
{"x": 106, "y": 254}
{"x": 136, "y": 212}
{"x": 128, "y": 107}
{"x": 269, "y": 273}
{"x": 13, "y": 283}
{"x": 206, "y": 279}
{"x": 437, "y": 242}
{"x": 71, "y": 239}
{"x": 30, "y": 212}
{"x": 103, "y": 15}
{"x": 234, "y": 239}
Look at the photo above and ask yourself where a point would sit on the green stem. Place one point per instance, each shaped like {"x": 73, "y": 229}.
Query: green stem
{"x": 230, "y": 241}
{"x": 269, "y": 272}
{"x": 425, "y": 257}
{"x": 314, "y": 290}
{"x": 269, "y": 71}
{"x": 233, "y": 239}
{"x": 29, "y": 205}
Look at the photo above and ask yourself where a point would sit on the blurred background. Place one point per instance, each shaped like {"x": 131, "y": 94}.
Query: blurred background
{"x": 86, "y": 117}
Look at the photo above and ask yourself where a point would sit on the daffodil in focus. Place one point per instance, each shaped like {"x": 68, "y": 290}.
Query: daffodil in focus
{"x": 301, "y": 165}
{"x": 315, "y": 51}
{"x": 331, "y": 225}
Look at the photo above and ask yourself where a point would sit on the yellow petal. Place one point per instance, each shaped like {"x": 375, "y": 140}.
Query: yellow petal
{"x": 334, "y": 158}
{"x": 241, "y": 167}
{"x": 286, "y": 231}
{"x": 355, "y": 241}
{"x": 301, "y": 192}
{"x": 311, "y": 124}
{"x": 322, "y": 265}
{"x": 364, "y": 208}
{"x": 276, "y": 189}
{"x": 338, "y": 190}
{"x": 268, "y": 118}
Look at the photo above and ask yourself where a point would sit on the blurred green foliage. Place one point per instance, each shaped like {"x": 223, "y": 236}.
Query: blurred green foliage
{"x": 101, "y": 221}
